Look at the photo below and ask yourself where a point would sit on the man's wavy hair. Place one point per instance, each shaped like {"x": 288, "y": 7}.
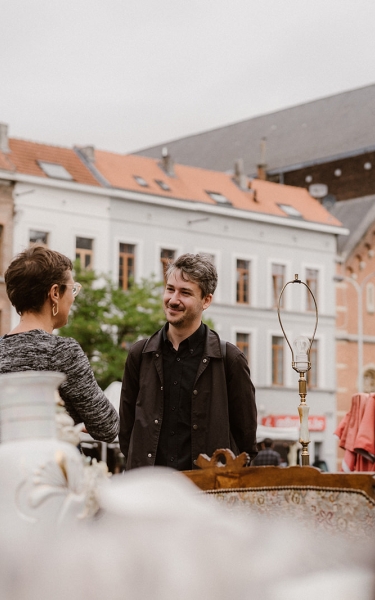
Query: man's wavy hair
{"x": 32, "y": 273}
{"x": 198, "y": 268}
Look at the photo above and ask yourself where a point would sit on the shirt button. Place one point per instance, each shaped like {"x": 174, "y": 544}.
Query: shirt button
{"x": 178, "y": 359}
{"x": 171, "y": 459}
{"x": 157, "y": 355}
{"x": 173, "y": 407}
{"x": 156, "y": 421}
{"x": 161, "y": 388}
{"x": 195, "y": 426}
{"x": 205, "y": 360}
{"x": 195, "y": 392}
{"x": 175, "y": 382}
{"x": 149, "y": 455}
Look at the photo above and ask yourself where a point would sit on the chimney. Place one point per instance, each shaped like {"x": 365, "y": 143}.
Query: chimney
{"x": 239, "y": 176}
{"x": 4, "y": 145}
{"x": 88, "y": 152}
{"x": 262, "y": 166}
{"x": 167, "y": 162}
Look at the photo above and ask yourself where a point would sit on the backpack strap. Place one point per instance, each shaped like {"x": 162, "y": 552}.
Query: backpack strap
{"x": 139, "y": 354}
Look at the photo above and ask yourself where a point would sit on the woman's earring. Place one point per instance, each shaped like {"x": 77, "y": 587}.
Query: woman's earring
{"x": 55, "y": 310}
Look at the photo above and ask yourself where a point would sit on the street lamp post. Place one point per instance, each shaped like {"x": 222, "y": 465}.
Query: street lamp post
{"x": 359, "y": 289}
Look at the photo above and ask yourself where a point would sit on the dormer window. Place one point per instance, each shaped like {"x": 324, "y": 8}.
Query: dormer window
{"x": 140, "y": 181}
{"x": 54, "y": 170}
{"x": 290, "y": 211}
{"x": 219, "y": 198}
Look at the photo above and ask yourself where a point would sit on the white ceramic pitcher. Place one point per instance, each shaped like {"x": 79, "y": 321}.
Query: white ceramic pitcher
{"x": 41, "y": 477}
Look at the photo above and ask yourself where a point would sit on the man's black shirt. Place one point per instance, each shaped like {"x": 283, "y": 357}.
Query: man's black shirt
{"x": 179, "y": 371}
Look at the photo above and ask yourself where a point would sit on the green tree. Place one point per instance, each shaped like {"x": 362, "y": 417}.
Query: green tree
{"x": 106, "y": 320}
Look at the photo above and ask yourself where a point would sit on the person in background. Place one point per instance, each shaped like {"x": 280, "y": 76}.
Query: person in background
{"x": 40, "y": 286}
{"x": 182, "y": 395}
{"x": 267, "y": 455}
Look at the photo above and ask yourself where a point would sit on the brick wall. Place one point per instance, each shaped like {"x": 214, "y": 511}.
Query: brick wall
{"x": 360, "y": 266}
{"x": 355, "y": 181}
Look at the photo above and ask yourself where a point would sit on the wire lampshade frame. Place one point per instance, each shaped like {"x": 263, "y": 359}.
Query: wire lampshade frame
{"x": 296, "y": 280}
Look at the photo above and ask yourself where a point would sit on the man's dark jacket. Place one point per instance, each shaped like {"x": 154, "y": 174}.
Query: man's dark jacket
{"x": 223, "y": 413}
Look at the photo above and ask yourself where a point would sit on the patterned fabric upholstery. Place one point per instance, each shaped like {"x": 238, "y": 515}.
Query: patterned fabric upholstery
{"x": 347, "y": 511}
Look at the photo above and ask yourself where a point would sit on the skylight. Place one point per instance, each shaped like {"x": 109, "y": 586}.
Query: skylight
{"x": 163, "y": 185}
{"x": 55, "y": 170}
{"x": 141, "y": 181}
{"x": 219, "y": 198}
{"x": 290, "y": 211}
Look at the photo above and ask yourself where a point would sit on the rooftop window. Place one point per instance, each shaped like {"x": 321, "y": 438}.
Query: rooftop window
{"x": 290, "y": 211}
{"x": 55, "y": 170}
{"x": 219, "y": 198}
{"x": 140, "y": 181}
{"x": 163, "y": 185}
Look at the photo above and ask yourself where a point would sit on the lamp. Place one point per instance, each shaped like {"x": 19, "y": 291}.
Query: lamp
{"x": 301, "y": 363}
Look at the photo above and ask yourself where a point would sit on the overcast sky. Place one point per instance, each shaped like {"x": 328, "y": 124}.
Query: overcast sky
{"x": 126, "y": 74}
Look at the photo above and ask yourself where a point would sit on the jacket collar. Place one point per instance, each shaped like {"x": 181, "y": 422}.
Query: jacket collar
{"x": 211, "y": 343}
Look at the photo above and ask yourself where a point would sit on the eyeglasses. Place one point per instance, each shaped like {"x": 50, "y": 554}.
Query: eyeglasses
{"x": 76, "y": 288}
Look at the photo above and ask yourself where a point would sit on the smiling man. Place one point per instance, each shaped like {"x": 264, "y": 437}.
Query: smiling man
{"x": 185, "y": 393}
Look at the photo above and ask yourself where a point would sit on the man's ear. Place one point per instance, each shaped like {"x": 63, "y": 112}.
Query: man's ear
{"x": 207, "y": 301}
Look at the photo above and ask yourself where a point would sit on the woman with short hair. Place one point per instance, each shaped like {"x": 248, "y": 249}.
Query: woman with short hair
{"x": 40, "y": 286}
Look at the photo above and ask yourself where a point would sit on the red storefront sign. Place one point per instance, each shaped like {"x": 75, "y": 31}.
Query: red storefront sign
{"x": 316, "y": 423}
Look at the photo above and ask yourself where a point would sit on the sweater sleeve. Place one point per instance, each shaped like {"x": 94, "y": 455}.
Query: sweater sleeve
{"x": 84, "y": 400}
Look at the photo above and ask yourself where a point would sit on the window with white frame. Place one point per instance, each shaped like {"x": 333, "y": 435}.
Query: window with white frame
{"x": 243, "y": 343}
{"x": 243, "y": 282}
{"x": 313, "y": 373}
{"x": 278, "y": 281}
{"x": 166, "y": 257}
{"x": 312, "y": 280}
{"x": 84, "y": 252}
{"x": 39, "y": 238}
{"x": 277, "y": 360}
{"x": 126, "y": 271}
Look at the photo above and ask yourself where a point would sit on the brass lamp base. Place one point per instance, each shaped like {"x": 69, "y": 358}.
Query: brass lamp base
{"x": 303, "y": 411}
{"x": 305, "y": 456}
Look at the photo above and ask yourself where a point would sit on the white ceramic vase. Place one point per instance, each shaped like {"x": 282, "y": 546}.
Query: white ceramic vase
{"x": 41, "y": 477}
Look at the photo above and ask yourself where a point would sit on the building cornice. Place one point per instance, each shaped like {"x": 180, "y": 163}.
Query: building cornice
{"x": 343, "y": 336}
{"x": 188, "y": 205}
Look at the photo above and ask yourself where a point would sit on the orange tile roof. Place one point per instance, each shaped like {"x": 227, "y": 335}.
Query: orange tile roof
{"x": 23, "y": 157}
{"x": 192, "y": 183}
{"x": 189, "y": 183}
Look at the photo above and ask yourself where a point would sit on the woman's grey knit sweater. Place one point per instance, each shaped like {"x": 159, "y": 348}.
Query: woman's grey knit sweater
{"x": 38, "y": 350}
